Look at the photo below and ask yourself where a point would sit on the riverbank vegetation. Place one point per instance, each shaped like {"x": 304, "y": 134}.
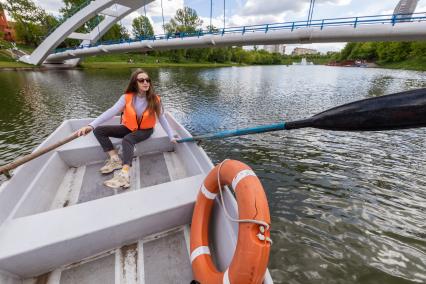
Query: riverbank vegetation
{"x": 397, "y": 55}
{"x": 231, "y": 55}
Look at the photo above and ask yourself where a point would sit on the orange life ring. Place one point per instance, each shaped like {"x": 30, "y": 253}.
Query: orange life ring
{"x": 251, "y": 256}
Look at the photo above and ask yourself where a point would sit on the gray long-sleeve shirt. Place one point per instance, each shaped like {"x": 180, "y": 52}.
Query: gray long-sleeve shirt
{"x": 140, "y": 104}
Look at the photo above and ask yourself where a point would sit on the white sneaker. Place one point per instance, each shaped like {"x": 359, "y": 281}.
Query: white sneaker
{"x": 111, "y": 165}
{"x": 120, "y": 179}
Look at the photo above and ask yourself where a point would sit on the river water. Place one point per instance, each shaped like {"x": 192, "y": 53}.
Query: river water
{"x": 347, "y": 207}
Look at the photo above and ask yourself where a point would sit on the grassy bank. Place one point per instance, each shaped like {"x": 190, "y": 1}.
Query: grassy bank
{"x": 126, "y": 60}
{"x": 138, "y": 60}
{"x": 417, "y": 64}
{"x": 6, "y": 61}
{"x": 8, "y": 65}
{"x": 104, "y": 65}
{"x": 320, "y": 61}
{"x": 116, "y": 61}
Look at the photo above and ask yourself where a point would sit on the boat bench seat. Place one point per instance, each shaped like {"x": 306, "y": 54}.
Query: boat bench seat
{"x": 87, "y": 149}
{"x": 35, "y": 244}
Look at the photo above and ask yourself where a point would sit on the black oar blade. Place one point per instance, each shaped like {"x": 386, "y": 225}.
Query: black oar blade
{"x": 396, "y": 111}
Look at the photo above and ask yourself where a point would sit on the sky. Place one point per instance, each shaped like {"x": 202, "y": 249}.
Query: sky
{"x": 250, "y": 12}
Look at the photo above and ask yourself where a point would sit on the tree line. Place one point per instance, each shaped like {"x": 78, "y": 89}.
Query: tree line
{"x": 384, "y": 52}
{"x": 32, "y": 23}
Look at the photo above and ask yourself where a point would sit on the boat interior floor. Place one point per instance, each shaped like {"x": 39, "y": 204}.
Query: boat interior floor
{"x": 69, "y": 185}
{"x": 158, "y": 258}
{"x": 85, "y": 183}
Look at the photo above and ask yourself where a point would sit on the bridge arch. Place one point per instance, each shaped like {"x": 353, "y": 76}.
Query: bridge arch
{"x": 112, "y": 10}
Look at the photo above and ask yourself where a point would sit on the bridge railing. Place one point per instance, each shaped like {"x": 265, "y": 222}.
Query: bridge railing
{"x": 265, "y": 28}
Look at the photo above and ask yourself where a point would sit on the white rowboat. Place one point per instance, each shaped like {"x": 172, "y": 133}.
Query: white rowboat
{"x": 60, "y": 224}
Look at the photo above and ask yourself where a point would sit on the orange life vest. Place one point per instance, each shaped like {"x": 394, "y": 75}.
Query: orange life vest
{"x": 129, "y": 116}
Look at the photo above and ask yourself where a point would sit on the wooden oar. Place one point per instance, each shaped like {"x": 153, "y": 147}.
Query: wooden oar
{"x": 396, "y": 111}
{"x": 6, "y": 168}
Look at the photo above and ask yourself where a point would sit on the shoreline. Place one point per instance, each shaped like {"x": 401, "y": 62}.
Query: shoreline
{"x": 18, "y": 66}
{"x": 12, "y": 66}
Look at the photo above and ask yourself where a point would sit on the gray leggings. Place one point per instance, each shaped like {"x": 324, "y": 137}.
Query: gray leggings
{"x": 130, "y": 139}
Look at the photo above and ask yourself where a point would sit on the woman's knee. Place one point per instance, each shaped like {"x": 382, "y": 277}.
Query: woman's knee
{"x": 98, "y": 131}
{"x": 128, "y": 140}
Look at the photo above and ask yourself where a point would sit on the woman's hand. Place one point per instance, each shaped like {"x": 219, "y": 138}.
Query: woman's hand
{"x": 175, "y": 138}
{"x": 84, "y": 130}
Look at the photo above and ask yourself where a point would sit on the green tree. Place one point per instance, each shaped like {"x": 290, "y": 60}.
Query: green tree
{"x": 199, "y": 54}
{"x": 241, "y": 56}
{"x": 177, "y": 56}
{"x": 185, "y": 20}
{"x": 393, "y": 51}
{"x": 347, "y": 50}
{"x": 32, "y": 22}
{"x": 116, "y": 32}
{"x": 368, "y": 51}
{"x": 220, "y": 55}
{"x": 363, "y": 50}
{"x": 418, "y": 49}
{"x": 70, "y": 7}
{"x": 24, "y": 10}
{"x": 212, "y": 29}
{"x": 141, "y": 26}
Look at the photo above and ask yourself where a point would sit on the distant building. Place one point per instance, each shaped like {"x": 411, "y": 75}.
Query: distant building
{"x": 406, "y": 7}
{"x": 276, "y": 48}
{"x": 5, "y": 27}
{"x": 304, "y": 51}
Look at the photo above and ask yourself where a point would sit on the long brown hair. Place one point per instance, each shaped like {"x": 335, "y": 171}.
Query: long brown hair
{"x": 153, "y": 103}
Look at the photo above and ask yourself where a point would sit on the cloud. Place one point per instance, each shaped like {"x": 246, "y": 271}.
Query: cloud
{"x": 273, "y": 7}
{"x": 253, "y": 7}
{"x": 154, "y": 14}
{"x": 321, "y": 47}
{"x": 50, "y": 6}
{"x": 169, "y": 7}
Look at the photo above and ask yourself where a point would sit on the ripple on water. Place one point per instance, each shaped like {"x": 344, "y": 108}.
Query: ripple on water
{"x": 347, "y": 207}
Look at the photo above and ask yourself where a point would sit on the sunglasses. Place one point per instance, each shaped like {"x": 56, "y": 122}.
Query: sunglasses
{"x": 142, "y": 80}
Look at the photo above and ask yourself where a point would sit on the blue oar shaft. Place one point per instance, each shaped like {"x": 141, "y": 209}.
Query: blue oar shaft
{"x": 237, "y": 132}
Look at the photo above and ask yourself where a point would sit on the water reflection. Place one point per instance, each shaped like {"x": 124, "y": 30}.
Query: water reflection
{"x": 346, "y": 207}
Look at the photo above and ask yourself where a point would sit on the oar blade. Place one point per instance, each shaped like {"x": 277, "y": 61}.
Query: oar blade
{"x": 396, "y": 111}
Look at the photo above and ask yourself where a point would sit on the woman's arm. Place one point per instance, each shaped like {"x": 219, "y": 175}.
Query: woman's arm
{"x": 108, "y": 114}
{"x": 117, "y": 107}
{"x": 165, "y": 124}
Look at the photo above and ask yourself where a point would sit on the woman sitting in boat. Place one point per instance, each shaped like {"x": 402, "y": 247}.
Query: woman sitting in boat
{"x": 140, "y": 108}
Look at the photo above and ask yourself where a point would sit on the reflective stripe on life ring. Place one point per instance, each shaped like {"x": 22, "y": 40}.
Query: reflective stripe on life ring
{"x": 199, "y": 251}
{"x": 251, "y": 256}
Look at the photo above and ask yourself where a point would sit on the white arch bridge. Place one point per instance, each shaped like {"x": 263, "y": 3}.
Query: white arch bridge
{"x": 396, "y": 27}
